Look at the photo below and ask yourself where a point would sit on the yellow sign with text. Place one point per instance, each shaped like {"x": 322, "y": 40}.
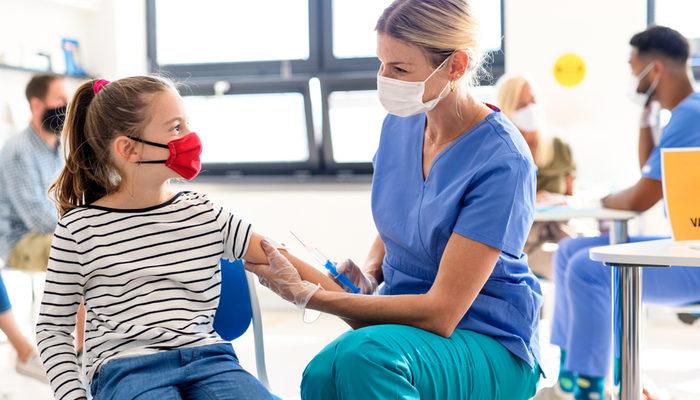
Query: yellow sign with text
{"x": 681, "y": 183}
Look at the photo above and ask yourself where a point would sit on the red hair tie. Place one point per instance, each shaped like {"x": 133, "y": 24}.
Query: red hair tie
{"x": 99, "y": 84}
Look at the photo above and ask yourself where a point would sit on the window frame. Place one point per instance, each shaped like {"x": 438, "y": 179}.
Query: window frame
{"x": 333, "y": 64}
{"x": 262, "y": 86}
{"x": 349, "y": 83}
{"x": 243, "y": 68}
{"x": 284, "y": 76}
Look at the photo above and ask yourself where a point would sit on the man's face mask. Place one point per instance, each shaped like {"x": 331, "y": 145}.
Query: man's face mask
{"x": 53, "y": 120}
{"x": 644, "y": 91}
{"x": 184, "y": 155}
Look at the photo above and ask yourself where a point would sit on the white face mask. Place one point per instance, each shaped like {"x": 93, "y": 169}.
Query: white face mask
{"x": 405, "y": 99}
{"x": 526, "y": 119}
{"x": 642, "y": 98}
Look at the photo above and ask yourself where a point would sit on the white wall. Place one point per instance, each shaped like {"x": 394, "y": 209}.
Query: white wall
{"x": 119, "y": 42}
{"x": 596, "y": 118}
{"x": 27, "y": 27}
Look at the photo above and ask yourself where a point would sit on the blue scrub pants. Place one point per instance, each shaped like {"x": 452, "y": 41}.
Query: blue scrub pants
{"x": 4, "y": 299}
{"x": 401, "y": 362}
{"x": 583, "y": 306}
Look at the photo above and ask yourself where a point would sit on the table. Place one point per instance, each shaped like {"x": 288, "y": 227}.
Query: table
{"x": 619, "y": 233}
{"x": 619, "y": 229}
{"x": 628, "y": 260}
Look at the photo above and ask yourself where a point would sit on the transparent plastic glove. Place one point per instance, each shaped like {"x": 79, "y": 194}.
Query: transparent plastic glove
{"x": 366, "y": 283}
{"x": 280, "y": 276}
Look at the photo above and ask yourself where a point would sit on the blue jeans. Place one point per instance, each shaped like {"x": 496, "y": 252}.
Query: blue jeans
{"x": 195, "y": 373}
{"x": 581, "y": 324}
{"x": 4, "y": 299}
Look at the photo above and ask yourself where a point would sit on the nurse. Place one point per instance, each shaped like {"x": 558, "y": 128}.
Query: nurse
{"x": 452, "y": 197}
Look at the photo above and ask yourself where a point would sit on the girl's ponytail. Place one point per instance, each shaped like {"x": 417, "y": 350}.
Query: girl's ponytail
{"x": 75, "y": 180}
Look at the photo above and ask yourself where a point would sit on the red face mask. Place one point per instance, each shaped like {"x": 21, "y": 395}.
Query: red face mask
{"x": 184, "y": 155}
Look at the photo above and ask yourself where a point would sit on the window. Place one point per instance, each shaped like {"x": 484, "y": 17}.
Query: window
{"x": 230, "y": 127}
{"x": 266, "y": 54}
{"x": 177, "y": 43}
{"x": 352, "y": 45}
{"x": 680, "y": 15}
{"x": 254, "y": 128}
{"x": 354, "y": 140}
{"x": 353, "y": 27}
{"x": 349, "y": 141}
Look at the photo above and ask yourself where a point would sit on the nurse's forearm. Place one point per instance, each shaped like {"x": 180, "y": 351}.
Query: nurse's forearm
{"x": 375, "y": 258}
{"x": 419, "y": 311}
{"x": 311, "y": 274}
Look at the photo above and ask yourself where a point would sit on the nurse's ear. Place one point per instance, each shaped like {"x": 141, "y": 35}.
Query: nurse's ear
{"x": 459, "y": 64}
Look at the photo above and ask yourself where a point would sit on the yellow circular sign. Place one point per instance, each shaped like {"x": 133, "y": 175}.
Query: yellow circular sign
{"x": 569, "y": 70}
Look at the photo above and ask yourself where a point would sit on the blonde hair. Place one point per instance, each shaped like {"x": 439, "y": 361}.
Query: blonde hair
{"x": 509, "y": 89}
{"x": 93, "y": 120}
{"x": 439, "y": 28}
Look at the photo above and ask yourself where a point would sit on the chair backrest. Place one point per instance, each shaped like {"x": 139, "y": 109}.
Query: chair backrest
{"x": 235, "y": 312}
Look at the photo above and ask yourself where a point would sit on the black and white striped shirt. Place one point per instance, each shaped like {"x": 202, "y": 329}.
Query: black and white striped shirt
{"x": 150, "y": 279}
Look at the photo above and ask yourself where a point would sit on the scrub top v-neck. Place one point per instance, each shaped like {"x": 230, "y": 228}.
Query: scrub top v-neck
{"x": 482, "y": 187}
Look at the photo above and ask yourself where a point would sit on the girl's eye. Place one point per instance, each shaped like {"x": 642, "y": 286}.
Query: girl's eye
{"x": 400, "y": 70}
{"x": 177, "y": 128}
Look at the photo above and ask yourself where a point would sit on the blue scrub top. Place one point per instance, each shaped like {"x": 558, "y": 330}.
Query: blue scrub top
{"x": 682, "y": 130}
{"x": 482, "y": 187}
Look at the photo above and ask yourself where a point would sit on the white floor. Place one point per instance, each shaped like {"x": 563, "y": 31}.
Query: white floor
{"x": 671, "y": 354}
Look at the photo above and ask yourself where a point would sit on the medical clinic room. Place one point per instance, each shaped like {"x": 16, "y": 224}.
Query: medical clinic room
{"x": 349, "y": 199}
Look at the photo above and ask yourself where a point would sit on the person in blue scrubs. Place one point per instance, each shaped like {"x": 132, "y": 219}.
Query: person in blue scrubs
{"x": 581, "y": 325}
{"x": 452, "y": 197}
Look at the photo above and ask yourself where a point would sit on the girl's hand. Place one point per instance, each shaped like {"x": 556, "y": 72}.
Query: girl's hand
{"x": 280, "y": 276}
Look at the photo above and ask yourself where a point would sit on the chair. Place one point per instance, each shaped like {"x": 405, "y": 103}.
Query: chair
{"x": 238, "y": 306}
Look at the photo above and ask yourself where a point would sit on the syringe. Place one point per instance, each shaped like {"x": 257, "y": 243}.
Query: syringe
{"x": 329, "y": 265}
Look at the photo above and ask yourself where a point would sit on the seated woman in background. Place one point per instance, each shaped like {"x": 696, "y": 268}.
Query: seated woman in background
{"x": 555, "y": 168}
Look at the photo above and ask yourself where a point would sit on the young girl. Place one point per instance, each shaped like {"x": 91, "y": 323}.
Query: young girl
{"x": 145, "y": 259}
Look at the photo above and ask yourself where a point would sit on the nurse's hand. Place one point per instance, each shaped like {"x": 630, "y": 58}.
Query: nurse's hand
{"x": 365, "y": 282}
{"x": 280, "y": 276}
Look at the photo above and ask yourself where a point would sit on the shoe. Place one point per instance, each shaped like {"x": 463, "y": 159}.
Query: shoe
{"x": 33, "y": 368}
{"x": 553, "y": 393}
{"x": 688, "y": 319}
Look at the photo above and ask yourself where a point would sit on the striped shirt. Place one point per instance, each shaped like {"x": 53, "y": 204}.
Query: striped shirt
{"x": 150, "y": 279}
